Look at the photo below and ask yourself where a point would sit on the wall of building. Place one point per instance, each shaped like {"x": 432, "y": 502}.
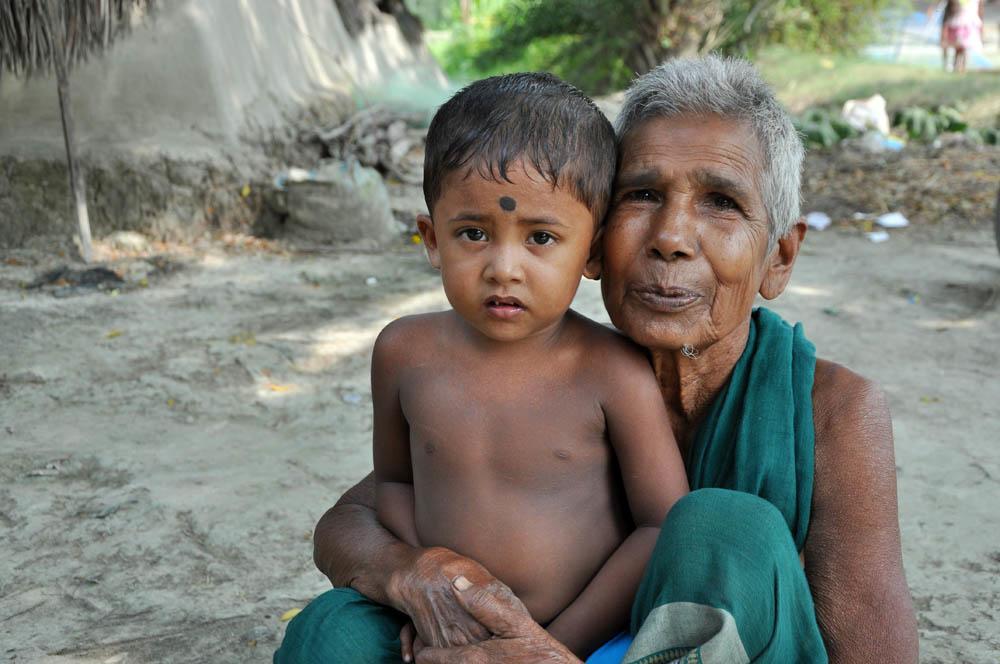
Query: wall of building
{"x": 198, "y": 82}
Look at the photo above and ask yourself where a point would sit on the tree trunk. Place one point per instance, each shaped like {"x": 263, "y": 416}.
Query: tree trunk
{"x": 648, "y": 50}
{"x": 691, "y": 25}
{"x": 466, "y": 11}
{"x": 76, "y": 179}
{"x": 673, "y": 28}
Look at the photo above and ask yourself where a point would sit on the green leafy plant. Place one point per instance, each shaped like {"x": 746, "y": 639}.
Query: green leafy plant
{"x": 823, "y": 127}
{"x": 923, "y": 124}
{"x": 988, "y": 135}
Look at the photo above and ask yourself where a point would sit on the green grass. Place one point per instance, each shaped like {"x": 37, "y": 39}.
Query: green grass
{"x": 804, "y": 80}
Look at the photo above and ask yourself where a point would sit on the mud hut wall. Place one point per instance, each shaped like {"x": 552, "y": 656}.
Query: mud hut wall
{"x": 173, "y": 118}
{"x": 203, "y": 75}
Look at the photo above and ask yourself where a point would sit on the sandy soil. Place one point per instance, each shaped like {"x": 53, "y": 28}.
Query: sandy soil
{"x": 167, "y": 450}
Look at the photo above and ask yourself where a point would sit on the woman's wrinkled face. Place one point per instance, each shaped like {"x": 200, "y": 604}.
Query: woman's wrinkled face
{"x": 686, "y": 241}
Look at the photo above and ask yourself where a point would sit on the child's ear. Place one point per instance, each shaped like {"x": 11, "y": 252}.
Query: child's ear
{"x": 593, "y": 268}
{"x": 782, "y": 260}
{"x": 426, "y": 229}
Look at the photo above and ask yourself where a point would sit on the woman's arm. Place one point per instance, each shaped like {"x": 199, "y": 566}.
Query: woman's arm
{"x": 353, "y": 550}
{"x": 853, "y": 556}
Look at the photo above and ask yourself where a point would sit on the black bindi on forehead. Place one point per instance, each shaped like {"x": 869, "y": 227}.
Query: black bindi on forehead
{"x": 508, "y": 204}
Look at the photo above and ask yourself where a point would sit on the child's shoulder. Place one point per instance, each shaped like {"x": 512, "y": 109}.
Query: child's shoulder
{"x": 607, "y": 349}
{"x": 409, "y": 333}
{"x": 410, "y": 329}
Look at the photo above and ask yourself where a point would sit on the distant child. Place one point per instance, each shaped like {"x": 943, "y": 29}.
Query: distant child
{"x": 961, "y": 30}
{"x": 511, "y": 429}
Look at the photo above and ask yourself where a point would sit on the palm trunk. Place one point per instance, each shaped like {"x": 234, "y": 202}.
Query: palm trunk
{"x": 673, "y": 28}
{"x": 76, "y": 179}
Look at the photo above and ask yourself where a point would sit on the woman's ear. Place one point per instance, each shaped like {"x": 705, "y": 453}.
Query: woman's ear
{"x": 781, "y": 260}
{"x": 425, "y": 226}
{"x": 593, "y": 267}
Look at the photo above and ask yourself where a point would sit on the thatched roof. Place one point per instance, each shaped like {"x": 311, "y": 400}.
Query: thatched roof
{"x": 34, "y": 32}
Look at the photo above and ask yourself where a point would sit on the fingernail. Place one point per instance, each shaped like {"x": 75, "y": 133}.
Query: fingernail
{"x": 406, "y": 658}
{"x": 462, "y": 583}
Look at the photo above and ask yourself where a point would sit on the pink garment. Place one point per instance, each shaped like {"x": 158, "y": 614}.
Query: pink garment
{"x": 965, "y": 29}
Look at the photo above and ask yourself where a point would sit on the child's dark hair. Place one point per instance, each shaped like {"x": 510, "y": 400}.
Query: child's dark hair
{"x": 537, "y": 117}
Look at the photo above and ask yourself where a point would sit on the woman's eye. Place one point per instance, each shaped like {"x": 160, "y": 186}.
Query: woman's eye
{"x": 723, "y": 202}
{"x": 474, "y": 234}
{"x": 640, "y": 196}
{"x": 541, "y": 237}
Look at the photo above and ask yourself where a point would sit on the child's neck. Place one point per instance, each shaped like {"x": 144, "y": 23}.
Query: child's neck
{"x": 543, "y": 340}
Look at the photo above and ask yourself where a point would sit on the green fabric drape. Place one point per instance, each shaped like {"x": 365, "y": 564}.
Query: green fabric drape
{"x": 758, "y": 434}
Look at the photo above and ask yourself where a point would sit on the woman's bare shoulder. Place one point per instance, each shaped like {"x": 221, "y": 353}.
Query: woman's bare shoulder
{"x": 845, "y": 402}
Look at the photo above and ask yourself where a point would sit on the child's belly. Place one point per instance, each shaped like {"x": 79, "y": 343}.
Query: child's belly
{"x": 542, "y": 527}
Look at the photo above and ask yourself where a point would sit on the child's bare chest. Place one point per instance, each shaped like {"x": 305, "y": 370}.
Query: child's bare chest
{"x": 525, "y": 426}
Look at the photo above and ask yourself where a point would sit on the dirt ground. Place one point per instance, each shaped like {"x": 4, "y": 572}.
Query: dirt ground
{"x": 167, "y": 447}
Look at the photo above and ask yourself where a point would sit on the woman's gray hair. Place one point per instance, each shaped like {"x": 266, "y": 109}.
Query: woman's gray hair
{"x": 730, "y": 88}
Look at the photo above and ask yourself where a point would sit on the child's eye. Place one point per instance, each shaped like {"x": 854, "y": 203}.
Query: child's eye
{"x": 542, "y": 237}
{"x": 473, "y": 234}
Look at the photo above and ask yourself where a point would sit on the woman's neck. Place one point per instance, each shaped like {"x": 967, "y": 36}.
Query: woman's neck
{"x": 689, "y": 384}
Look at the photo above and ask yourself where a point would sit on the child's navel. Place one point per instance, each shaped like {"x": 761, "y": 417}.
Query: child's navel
{"x": 561, "y": 454}
{"x": 430, "y": 447}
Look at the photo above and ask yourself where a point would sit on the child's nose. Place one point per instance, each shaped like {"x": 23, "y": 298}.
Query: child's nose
{"x": 504, "y": 266}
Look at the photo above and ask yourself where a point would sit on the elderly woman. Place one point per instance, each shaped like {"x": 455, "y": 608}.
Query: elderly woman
{"x": 788, "y": 547}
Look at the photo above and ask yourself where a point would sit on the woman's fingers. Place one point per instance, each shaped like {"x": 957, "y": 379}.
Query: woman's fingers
{"x": 539, "y": 650}
{"x": 430, "y": 601}
{"x": 441, "y": 620}
{"x": 495, "y": 607}
{"x": 407, "y": 635}
{"x": 517, "y": 638}
{"x": 462, "y": 655}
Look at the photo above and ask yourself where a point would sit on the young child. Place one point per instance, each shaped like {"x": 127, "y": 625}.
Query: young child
{"x": 511, "y": 429}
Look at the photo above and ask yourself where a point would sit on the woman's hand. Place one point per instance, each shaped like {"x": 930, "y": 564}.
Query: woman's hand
{"x": 424, "y": 592}
{"x": 409, "y": 643}
{"x": 517, "y": 638}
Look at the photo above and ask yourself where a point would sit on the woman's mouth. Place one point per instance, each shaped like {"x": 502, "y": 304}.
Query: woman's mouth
{"x": 668, "y": 299}
{"x": 504, "y": 308}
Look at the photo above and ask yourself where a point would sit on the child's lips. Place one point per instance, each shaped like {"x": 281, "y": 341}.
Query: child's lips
{"x": 504, "y": 307}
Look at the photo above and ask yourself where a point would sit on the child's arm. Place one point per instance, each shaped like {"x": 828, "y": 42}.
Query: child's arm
{"x": 653, "y": 474}
{"x": 391, "y": 439}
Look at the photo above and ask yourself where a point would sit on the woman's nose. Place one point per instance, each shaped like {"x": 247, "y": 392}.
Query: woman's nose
{"x": 504, "y": 266}
{"x": 673, "y": 235}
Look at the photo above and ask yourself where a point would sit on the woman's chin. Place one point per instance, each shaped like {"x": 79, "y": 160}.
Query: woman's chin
{"x": 661, "y": 337}
{"x": 658, "y": 332}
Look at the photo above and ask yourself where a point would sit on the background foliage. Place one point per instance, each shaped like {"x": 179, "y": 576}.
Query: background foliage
{"x": 600, "y": 44}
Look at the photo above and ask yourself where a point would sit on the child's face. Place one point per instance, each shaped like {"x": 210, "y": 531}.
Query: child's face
{"x": 510, "y": 253}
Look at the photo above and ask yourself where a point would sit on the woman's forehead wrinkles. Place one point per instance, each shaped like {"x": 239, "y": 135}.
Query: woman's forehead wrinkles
{"x": 640, "y": 176}
{"x": 685, "y": 138}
